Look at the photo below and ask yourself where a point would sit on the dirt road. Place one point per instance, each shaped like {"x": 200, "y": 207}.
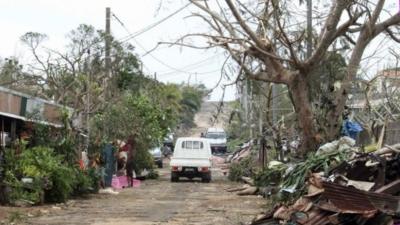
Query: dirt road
{"x": 161, "y": 202}
{"x": 158, "y": 202}
{"x": 208, "y": 116}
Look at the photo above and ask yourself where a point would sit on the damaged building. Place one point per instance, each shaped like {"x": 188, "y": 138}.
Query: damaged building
{"x": 18, "y": 111}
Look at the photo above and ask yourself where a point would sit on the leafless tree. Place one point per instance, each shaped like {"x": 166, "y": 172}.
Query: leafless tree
{"x": 268, "y": 43}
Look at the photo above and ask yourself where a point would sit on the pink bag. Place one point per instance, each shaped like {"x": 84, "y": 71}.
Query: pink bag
{"x": 122, "y": 182}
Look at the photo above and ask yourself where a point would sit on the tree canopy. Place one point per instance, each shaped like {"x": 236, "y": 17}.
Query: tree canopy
{"x": 268, "y": 41}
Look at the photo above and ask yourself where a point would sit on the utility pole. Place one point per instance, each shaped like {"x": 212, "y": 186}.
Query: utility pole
{"x": 106, "y": 82}
{"x": 309, "y": 28}
{"x": 107, "y": 53}
{"x": 155, "y": 75}
{"x": 88, "y": 101}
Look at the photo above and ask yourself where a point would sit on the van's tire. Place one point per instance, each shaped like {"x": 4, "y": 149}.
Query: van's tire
{"x": 174, "y": 177}
{"x": 206, "y": 178}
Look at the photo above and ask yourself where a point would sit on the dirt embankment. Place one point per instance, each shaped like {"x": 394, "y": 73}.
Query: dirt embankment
{"x": 211, "y": 115}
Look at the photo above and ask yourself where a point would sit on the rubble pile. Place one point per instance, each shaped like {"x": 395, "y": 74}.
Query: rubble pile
{"x": 364, "y": 189}
{"x": 235, "y": 157}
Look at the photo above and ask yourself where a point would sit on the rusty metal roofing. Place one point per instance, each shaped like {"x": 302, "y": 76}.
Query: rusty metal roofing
{"x": 351, "y": 200}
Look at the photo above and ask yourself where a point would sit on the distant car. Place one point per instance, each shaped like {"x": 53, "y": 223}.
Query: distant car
{"x": 169, "y": 141}
{"x": 191, "y": 158}
{"x": 217, "y": 139}
{"x": 158, "y": 156}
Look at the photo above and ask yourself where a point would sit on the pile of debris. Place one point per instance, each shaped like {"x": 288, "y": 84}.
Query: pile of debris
{"x": 361, "y": 190}
{"x": 235, "y": 157}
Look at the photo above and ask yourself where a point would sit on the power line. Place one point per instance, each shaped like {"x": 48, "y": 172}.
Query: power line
{"x": 194, "y": 65}
{"x": 151, "y": 55}
{"x": 198, "y": 73}
{"x": 151, "y": 26}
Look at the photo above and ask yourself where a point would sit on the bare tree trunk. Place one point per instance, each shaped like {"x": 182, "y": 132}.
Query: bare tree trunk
{"x": 299, "y": 92}
{"x": 341, "y": 96}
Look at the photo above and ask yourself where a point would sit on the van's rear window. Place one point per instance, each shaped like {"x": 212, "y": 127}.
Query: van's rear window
{"x": 192, "y": 145}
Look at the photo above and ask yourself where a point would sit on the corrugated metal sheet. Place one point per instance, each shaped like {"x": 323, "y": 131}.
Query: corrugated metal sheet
{"x": 318, "y": 218}
{"x": 351, "y": 200}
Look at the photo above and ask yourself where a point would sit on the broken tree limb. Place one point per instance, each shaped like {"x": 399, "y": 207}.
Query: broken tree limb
{"x": 248, "y": 191}
{"x": 382, "y": 135}
{"x": 388, "y": 149}
{"x": 244, "y": 187}
{"x": 391, "y": 188}
{"x": 393, "y": 149}
{"x": 248, "y": 180}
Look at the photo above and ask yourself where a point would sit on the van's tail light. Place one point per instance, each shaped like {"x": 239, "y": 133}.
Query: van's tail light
{"x": 204, "y": 169}
{"x": 175, "y": 169}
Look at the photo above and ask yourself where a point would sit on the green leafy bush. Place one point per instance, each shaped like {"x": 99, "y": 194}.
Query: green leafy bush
{"x": 86, "y": 182}
{"x": 143, "y": 160}
{"x": 41, "y": 163}
{"x": 153, "y": 174}
{"x": 270, "y": 176}
{"x": 54, "y": 180}
{"x": 246, "y": 167}
{"x": 63, "y": 181}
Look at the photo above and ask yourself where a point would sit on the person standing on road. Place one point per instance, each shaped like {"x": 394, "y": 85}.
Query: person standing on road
{"x": 108, "y": 154}
{"x": 130, "y": 148}
{"x": 130, "y": 167}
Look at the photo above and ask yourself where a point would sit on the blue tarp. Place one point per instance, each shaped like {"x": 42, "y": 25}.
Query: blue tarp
{"x": 351, "y": 128}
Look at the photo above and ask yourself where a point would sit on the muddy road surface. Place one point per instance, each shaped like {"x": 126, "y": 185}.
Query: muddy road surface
{"x": 160, "y": 202}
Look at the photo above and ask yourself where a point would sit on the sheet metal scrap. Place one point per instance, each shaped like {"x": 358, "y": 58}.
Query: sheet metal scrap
{"x": 351, "y": 200}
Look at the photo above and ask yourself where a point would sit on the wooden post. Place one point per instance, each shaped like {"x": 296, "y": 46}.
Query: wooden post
{"x": 2, "y": 134}
{"x": 13, "y": 130}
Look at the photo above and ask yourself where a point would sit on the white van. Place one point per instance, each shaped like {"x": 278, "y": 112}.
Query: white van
{"x": 217, "y": 139}
{"x": 191, "y": 158}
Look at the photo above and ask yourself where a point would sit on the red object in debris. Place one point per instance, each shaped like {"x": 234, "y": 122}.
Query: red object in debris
{"x": 81, "y": 164}
{"x": 174, "y": 168}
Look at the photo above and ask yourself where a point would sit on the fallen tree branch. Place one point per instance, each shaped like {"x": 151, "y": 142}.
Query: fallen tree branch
{"x": 248, "y": 191}
{"x": 248, "y": 180}
{"x": 388, "y": 149}
{"x": 244, "y": 187}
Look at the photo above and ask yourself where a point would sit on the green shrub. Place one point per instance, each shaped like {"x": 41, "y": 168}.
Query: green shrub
{"x": 41, "y": 163}
{"x": 143, "y": 160}
{"x": 17, "y": 190}
{"x": 62, "y": 180}
{"x": 52, "y": 177}
{"x": 95, "y": 178}
{"x": 270, "y": 176}
{"x": 153, "y": 174}
{"x": 246, "y": 167}
{"x": 86, "y": 182}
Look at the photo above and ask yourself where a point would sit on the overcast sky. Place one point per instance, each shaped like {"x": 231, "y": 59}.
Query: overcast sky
{"x": 57, "y": 18}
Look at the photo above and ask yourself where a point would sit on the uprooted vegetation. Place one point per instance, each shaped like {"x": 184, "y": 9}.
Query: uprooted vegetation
{"x": 339, "y": 184}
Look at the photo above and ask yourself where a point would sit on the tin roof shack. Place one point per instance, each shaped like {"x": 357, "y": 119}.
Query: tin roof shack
{"x": 17, "y": 109}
